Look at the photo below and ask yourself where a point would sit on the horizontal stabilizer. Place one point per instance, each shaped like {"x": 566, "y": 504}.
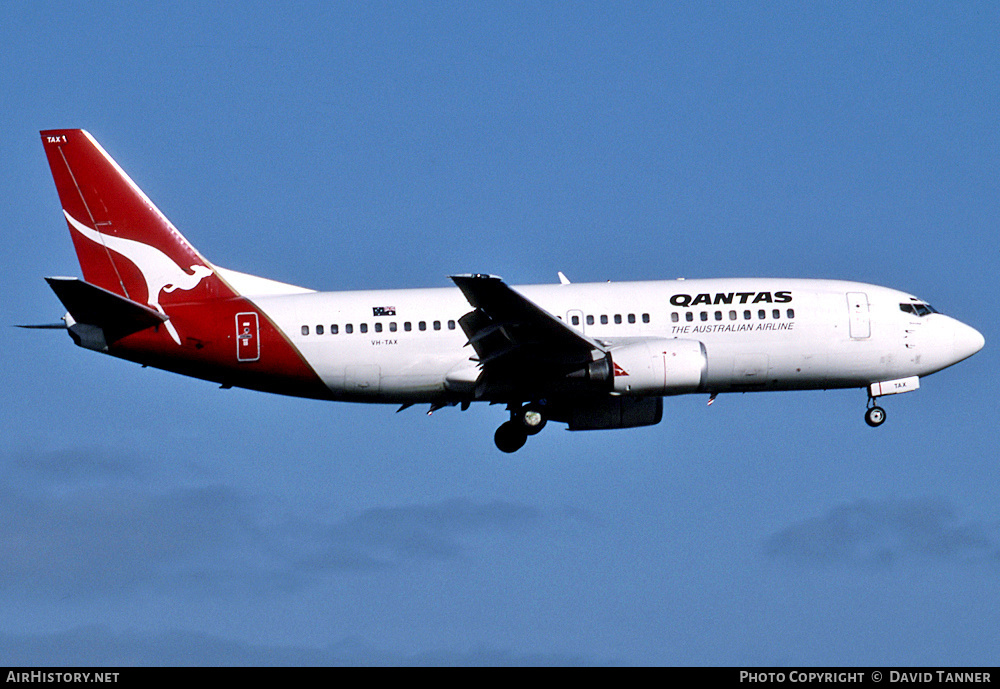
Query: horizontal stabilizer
{"x": 92, "y": 305}
{"x": 44, "y": 326}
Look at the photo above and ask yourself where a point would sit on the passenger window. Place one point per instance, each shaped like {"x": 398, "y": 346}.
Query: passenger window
{"x": 675, "y": 317}
{"x": 305, "y": 329}
{"x": 645, "y": 318}
{"x": 348, "y": 328}
{"x": 704, "y": 315}
{"x": 319, "y": 329}
{"x": 364, "y": 327}
{"x": 732, "y": 315}
{"x": 631, "y": 318}
{"x": 746, "y": 315}
{"x": 590, "y": 320}
{"x": 378, "y": 327}
{"x": 451, "y": 325}
{"x": 618, "y": 319}
{"x": 575, "y": 320}
{"x": 334, "y": 329}
{"x": 718, "y": 315}
{"x": 422, "y": 325}
{"x": 392, "y": 326}
{"x": 406, "y": 326}
{"x": 762, "y": 314}
{"x": 689, "y": 316}
{"x": 604, "y": 320}
{"x": 791, "y": 313}
{"x": 437, "y": 325}
{"x": 776, "y": 313}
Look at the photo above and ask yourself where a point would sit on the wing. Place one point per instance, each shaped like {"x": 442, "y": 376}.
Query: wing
{"x": 522, "y": 349}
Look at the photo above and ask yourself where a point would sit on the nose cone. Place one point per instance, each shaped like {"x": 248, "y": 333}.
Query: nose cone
{"x": 967, "y": 341}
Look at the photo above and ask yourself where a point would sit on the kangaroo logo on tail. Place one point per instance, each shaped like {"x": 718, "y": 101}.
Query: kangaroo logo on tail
{"x": 158, "y": 270}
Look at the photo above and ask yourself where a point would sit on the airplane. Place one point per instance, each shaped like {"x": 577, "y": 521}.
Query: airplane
{"x": 590, "y": 355}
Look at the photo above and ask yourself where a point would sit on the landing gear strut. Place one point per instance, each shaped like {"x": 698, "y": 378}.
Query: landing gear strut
{"x": 524, "y": 421}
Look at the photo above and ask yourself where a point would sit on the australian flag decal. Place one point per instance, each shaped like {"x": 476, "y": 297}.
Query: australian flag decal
{"x": 383, "y": 310}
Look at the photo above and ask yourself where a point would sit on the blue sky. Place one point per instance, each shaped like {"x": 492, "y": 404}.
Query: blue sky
{"x": 148, "y": 518}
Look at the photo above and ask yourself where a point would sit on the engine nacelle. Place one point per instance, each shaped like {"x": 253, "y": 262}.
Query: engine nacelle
{"x": 615, "y": 412}
{"x": 660, "y": 367}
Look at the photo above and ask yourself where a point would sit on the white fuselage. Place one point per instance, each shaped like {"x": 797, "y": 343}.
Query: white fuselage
{"x": 757, "y": 334}
{"x": 594, "y": 356}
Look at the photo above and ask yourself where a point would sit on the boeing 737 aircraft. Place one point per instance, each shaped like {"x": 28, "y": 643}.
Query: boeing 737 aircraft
{"x": 593, "y": 356}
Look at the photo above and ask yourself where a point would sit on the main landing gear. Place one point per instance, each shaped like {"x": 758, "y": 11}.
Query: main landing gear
{"x": 875, "y": 415}
{"x": 524, "y": 421}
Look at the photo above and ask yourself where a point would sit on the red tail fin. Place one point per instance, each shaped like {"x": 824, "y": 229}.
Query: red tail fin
{"x": 195, "y": 323}
{"x": 124, "y": 243}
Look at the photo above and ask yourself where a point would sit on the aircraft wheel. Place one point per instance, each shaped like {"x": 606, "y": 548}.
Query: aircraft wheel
{"x": 875, "y": 417}
{"x": 532, "y": 420}
{"x": 510, "y": 437}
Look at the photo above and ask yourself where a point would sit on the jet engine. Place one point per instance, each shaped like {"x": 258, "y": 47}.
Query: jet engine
{"x": 659, "y": 367}
{"x": 615, "y": 412}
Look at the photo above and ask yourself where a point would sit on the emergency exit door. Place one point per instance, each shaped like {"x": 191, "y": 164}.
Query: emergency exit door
{"x": 247, "y": 337}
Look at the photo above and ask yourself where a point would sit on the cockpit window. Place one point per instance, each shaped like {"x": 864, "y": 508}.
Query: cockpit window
{"x": 917, "y": 308}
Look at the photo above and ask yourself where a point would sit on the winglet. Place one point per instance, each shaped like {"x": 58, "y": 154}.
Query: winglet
{"x": 563, "y": 280}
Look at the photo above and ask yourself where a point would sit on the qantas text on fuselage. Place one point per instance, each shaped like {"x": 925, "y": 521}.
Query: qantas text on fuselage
{"x": 685, "y": 300}
{"x": 590, "y": 355}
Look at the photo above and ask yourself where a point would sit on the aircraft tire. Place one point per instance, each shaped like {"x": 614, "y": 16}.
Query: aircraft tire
{"x": 875, "y": 417}
{"x": 532, "y": 420}
{"x": 510, "y": 437}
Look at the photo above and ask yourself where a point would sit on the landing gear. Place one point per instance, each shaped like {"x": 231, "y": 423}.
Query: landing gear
{"x": 524, "y": 421}
{"x": 875, "y": 416}
{"x": 510, "y": 437}
{"x": 531, "y": 418}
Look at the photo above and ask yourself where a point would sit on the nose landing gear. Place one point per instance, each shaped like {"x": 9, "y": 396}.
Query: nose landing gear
{"x": 875, "y": 415}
